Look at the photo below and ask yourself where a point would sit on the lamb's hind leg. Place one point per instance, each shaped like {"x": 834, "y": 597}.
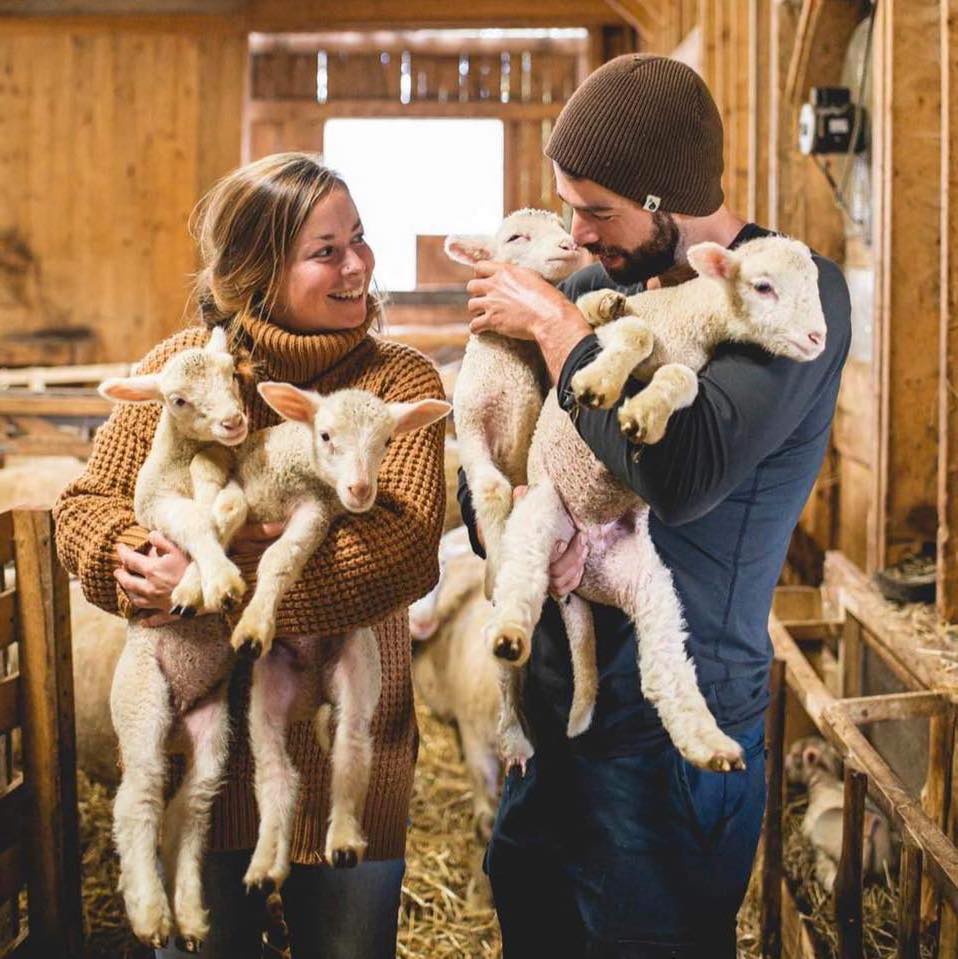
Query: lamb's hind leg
{"x": 188, "y": 817}
{"x": 276, "y": 781}
{"x": 580, "y": 629}
{"x": 626, "y": 344}
{"x": 356, "y": 685}
{"x": 642, "y": 586}
{"x": 537, "y": 521}
{"x": 140, "y": 707}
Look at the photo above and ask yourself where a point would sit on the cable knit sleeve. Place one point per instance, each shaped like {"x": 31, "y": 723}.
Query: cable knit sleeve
{"x": 95, "y": 512}
{"x": 378, "y": 562}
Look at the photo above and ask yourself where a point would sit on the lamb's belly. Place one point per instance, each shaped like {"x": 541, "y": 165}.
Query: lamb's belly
{"x": 590, "y": 492}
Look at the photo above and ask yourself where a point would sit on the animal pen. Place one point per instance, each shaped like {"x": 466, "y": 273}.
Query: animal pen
{"x": 123, "y": 114}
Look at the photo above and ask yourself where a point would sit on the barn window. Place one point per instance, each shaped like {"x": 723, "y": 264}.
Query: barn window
{"x": 418, "y": 176}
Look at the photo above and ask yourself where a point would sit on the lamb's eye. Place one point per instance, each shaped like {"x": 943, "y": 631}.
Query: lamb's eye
{"x": 517, "y": 236}
{"x": 389, "y": 440}
{"x": 324, "y": 437}
{"x": 764, "y": 288}
{"x": 179, "y": 402}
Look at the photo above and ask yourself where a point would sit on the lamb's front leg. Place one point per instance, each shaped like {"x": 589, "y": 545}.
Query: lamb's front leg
{"x": 630, "y": 574}
{"x": 188, "y": 817}
{"x": 645, "y": 416}
{"x": 276, "y": 781}
{"x": 280, "y": 567}
{"x": 538, "y": 520}
{"x": 356, "y": 685}
{"x": 626, "y": 344}
{"x": 142, "y": 717}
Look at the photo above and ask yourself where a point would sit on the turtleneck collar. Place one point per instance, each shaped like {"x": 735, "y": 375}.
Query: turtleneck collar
{"x": 298, "y": 358}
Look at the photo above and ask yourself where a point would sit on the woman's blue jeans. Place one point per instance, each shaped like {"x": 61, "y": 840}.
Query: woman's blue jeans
{"x": 331, "y": 913}
{"x": 631, "y": 857}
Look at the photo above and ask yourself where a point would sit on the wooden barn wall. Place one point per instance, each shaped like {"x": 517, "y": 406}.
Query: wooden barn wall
{"x": 108, "y": 137}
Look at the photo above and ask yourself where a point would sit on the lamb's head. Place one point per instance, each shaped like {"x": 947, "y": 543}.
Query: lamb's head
{"x": 772, "y": 285}
{"x": 428, "y": 613}
{"x": 352, "y": 430}
{"x": 198, "y": 389}
{"x": 535, "y": 239}
{"x": 808, "y": 756}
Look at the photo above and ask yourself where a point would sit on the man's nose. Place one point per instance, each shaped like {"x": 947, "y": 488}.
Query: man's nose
{"x": 582, "y": 233}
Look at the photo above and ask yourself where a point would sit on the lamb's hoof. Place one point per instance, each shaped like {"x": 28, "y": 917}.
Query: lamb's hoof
{"x": 344, "y": 858}
{"x": 158, "y": 940}
{"x": 189, "y": 944}
{"x": 247, "y": 645}
{"x": 511, "y": 643}
{"x": 516, "y": 762}
{"x": 187, "y": 612}
{"x": 642, "y": 422}
{"x": 229, "y": 602}
{"x": 611, "y": 306}
{"x": 717, "y": 753}
{"x": 258, "y": 880}
{"x": 483, "y": 825}
{"x": 588, "y": 397}
{"x": 580, "y": 719}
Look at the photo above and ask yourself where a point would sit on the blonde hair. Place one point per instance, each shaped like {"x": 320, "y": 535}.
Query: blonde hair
{"x": 245, "y": 227}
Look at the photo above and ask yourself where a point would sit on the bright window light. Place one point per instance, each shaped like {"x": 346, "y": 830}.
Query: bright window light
{"x": 419, "y": 176}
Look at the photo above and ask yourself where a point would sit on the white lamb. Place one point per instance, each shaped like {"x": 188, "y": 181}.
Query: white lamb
{"x": 501, "y": 383}
{"x": 319, "y": 464}
{"x": 201, "y": 408}
{"x": 731, "y": 299}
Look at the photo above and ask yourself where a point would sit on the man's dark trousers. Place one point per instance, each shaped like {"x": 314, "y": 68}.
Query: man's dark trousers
{"x": 639, "y": 856}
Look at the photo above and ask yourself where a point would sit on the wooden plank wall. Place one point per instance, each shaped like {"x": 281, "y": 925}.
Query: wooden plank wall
{"x": 109, "y": 135}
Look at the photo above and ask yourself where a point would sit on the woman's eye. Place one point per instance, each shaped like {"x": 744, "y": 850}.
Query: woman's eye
{"x": 323, "y": 252}
{"x": 359, "y": 238}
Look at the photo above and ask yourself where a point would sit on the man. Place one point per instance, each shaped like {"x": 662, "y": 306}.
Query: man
{"x": 611, "y": 845}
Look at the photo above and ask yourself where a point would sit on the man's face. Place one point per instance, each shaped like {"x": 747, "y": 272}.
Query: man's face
{"x": 631, "y": 243}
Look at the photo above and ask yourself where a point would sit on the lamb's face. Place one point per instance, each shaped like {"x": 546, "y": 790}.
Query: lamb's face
{"x": 777, "y": 284}
{"x": 808, "y": 755}
{"x": 200, "y": 391}
{"x": 352, "y": 431}
{"x": 534, "y": 239}
{"x": 537, "y": 240}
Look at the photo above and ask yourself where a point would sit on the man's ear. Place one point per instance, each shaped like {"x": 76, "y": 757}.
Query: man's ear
{"x": 414, "y": 416}
{"x": 289, "y": 401}
{"x": 713, "y": 260}
{"x": 468, "y": 249}
{"x": 131, "y": 389}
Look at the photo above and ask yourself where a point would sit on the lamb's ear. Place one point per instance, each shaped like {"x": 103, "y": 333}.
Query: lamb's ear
{"x": 713, "y": 260}
{"x": 131, "y": 389}
{"x": 811, "y": 755}
{"x": 414, "y": 416}
{"x": 289, "y": 401}
{"x": 217, "y": 341}
{"x": 468, "y": 249}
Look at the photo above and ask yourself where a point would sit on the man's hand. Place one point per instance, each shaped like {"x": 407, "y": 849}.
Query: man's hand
{"x": 149, "y": 579}
{"x": 253, "y": 539}
{"x": 567, "y": 559}
{"x": 511, "y": 300}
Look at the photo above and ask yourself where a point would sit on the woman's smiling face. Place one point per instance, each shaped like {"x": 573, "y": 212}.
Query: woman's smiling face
{"x": 329, "y": 270}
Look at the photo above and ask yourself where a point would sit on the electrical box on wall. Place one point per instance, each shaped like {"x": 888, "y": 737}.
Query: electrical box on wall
{"x": 827, "y": 123}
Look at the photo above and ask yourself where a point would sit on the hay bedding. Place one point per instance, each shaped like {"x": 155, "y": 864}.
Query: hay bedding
{"x": 443, "y": 911}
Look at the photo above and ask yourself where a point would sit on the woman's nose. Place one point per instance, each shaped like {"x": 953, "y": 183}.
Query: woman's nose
{"x": 353, "y": 263}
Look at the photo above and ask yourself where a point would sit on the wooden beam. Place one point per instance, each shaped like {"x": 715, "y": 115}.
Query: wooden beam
{"x": 908, "y": 300}
{"x": 49, "y": 738}
{"x": 772, "y": 845}
{"x": 947, "y": 568}
{"x": 848, "y": 882}
{"x": 923, "y": 704}
{"x": 278, "y": 111}
{"x": 645, "y": 18}
{"x": 909, "y": 900}
{"x": 64, "y": 403}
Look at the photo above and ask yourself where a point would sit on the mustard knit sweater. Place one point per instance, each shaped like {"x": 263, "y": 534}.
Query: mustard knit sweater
{"x": 366, "y": 572}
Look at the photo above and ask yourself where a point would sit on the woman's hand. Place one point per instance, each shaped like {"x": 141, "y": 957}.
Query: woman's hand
{"x": 253, "y": 539}
{"x": 149, "y": 579}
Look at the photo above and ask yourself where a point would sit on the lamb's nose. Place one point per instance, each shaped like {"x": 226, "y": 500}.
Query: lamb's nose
{"x": 817, "y": 338}
{"x": 359, "y": 491}
{"x": 233, "y": 422}
{"x": 570, "y": 245}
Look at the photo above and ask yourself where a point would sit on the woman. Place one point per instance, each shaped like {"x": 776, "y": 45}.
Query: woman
{"x": 286, "y": 269}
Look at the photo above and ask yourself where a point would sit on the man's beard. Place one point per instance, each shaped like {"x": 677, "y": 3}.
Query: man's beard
{"x": 652, "y": 258}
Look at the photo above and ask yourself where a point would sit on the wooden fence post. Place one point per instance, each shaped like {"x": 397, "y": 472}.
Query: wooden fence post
{"x": 772, "y": 839}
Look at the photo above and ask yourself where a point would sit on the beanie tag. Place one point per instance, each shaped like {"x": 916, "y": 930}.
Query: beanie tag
{"x": 652, "y": 202}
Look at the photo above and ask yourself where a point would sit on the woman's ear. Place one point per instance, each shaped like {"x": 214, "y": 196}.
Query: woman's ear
{"x": 414, "y": 416}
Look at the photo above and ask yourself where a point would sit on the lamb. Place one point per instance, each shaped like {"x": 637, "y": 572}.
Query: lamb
{"x": 623, "y": 568}
{"x": 319, "y": 464}
{"x": 452, "y": 671}
{"x": 201, "y": 408}
{"x": 499, "y": 389}
{"x": 815, "y": 765}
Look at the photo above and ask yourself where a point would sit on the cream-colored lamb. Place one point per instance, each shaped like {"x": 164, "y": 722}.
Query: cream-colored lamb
{"x": 322, "y": 462}
{"x": 623, "y": 568}
{"x": 201, "y": 408}
{"x": 501, "y": 383}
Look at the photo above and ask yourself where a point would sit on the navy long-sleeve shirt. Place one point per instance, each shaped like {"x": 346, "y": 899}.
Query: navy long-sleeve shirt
{"x": 726, "y": 486}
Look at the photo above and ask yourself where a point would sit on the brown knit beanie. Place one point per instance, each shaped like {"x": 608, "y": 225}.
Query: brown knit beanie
{"x": 647, "y": 128}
